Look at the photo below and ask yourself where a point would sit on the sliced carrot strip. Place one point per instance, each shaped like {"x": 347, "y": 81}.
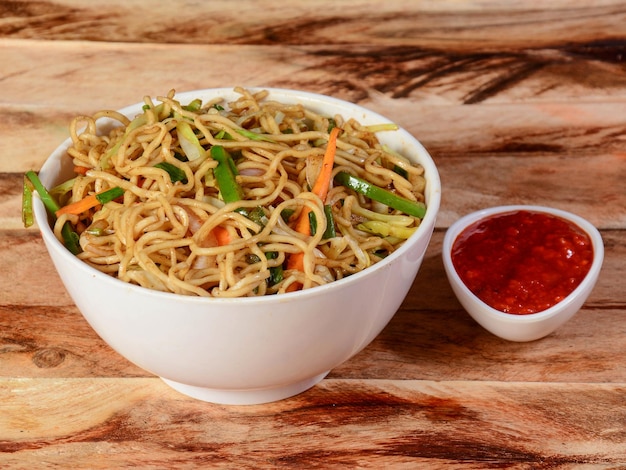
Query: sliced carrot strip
{"x": 79, "y": 207}
{"x": 294, "y": 286}
{"x": 323, "y": 180}
{"x": 320, "y": 188}
{"x": 322, "y": 183}
{"x": 221, "y": 235}
{"x": 296, "y": 261}
{"x": 80, "y": 170}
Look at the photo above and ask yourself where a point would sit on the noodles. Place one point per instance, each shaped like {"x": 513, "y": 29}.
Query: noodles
{"x": 194, "y": 221}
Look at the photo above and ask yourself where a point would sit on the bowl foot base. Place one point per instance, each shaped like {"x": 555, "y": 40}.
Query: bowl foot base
{"x": 245, "y": 397}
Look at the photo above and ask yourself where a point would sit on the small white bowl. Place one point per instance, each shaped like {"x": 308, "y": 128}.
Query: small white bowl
{"x": 527, "y": 327}
{"x": 247, "y": 350}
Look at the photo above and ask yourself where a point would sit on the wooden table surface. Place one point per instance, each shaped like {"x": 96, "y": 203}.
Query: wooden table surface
{"x": 518, "y": 102}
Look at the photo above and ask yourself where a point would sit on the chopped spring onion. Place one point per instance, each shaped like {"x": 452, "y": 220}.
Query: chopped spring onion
{"x": 176, "y": 173}
{"x": 223, "y": 135}
{"x": 189, "y": 142}
{"x": 226, "y": 175}
{"x": 48, "y": 201}
{"x": 253, "y": 135}
{"x": 331, "y": 124}
{"x": 384, "y": 229}
{"x": 330, "y": 223}
{"x": 195, "y": 105}
{"x": 286, "y": 214}
{"x": 62, "y": 189}
{"x": 109, "y": 195}
{"x": 91, "y": 201}
{"x": 276, "y": 272}
{"x": 312, "y": 223}
{"x": 361, "y": 186}
{"x": 257, "y": 215}
{"x": 70, "y": 237}
{"x": 382, "y": 127}
{"x": 401, "y": 171}
{"x": 27, "y": 203}
{"x": 393, "y": 219}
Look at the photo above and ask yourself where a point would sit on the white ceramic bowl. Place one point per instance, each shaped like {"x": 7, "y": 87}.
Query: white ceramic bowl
{"x": 247, "y": 350}
{"x": 526, "y": 327}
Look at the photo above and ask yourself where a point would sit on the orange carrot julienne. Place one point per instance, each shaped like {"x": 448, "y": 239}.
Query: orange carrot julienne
{"x": 320, "y": 188}
{"x": 322, "y": 183}
{"x": 91, "y": 201}
{"x": 303, "y": 225}
{"x": 80, "y": 170}
{"x": 79, "y": 207}
{"x": 221, "y": 235}
{"x": 323, "y": 180}
{"x": 296, "y": 261}
{"x": 294, "y": 286}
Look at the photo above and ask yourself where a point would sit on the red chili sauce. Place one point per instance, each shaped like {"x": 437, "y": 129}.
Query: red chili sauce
{"x": 522, "y": 262}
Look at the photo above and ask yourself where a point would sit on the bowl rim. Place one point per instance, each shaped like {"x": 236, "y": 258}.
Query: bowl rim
{"x": 459, "y": 225}
{"x": 432, "y": 193}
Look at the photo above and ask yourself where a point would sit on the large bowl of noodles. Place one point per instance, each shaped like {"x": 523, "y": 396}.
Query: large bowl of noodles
{"x": 233, "y": 331}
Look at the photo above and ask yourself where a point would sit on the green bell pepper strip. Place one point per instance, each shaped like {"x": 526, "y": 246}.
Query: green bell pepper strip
{"x": 226, "y": 176}
{"x": 194, "y": 105}
{"x": 416, "y": 209}
{"x": 70, "y": 237}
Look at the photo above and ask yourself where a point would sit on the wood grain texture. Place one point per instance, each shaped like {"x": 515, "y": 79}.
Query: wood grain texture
{"x": 359, "y": 72}
{"x": 466, "y": 25}
{"x": 518, "y": 102}
{"x": 398, "y": 423}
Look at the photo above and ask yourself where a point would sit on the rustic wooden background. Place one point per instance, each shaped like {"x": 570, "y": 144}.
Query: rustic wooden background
{"x": 518, "y": 102}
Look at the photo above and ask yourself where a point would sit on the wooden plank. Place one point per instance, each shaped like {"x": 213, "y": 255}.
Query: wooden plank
{"x": 56, "y": 342}
{"x": 33, "y": 279}
{"x": 464, "y": 25}
{"x": 518, "y": 103}
{"x": 104, "y": 423}
{"x": 30, "y": 133}
{"x": 471, "y": 184}
{"x": 114, "y": 74}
